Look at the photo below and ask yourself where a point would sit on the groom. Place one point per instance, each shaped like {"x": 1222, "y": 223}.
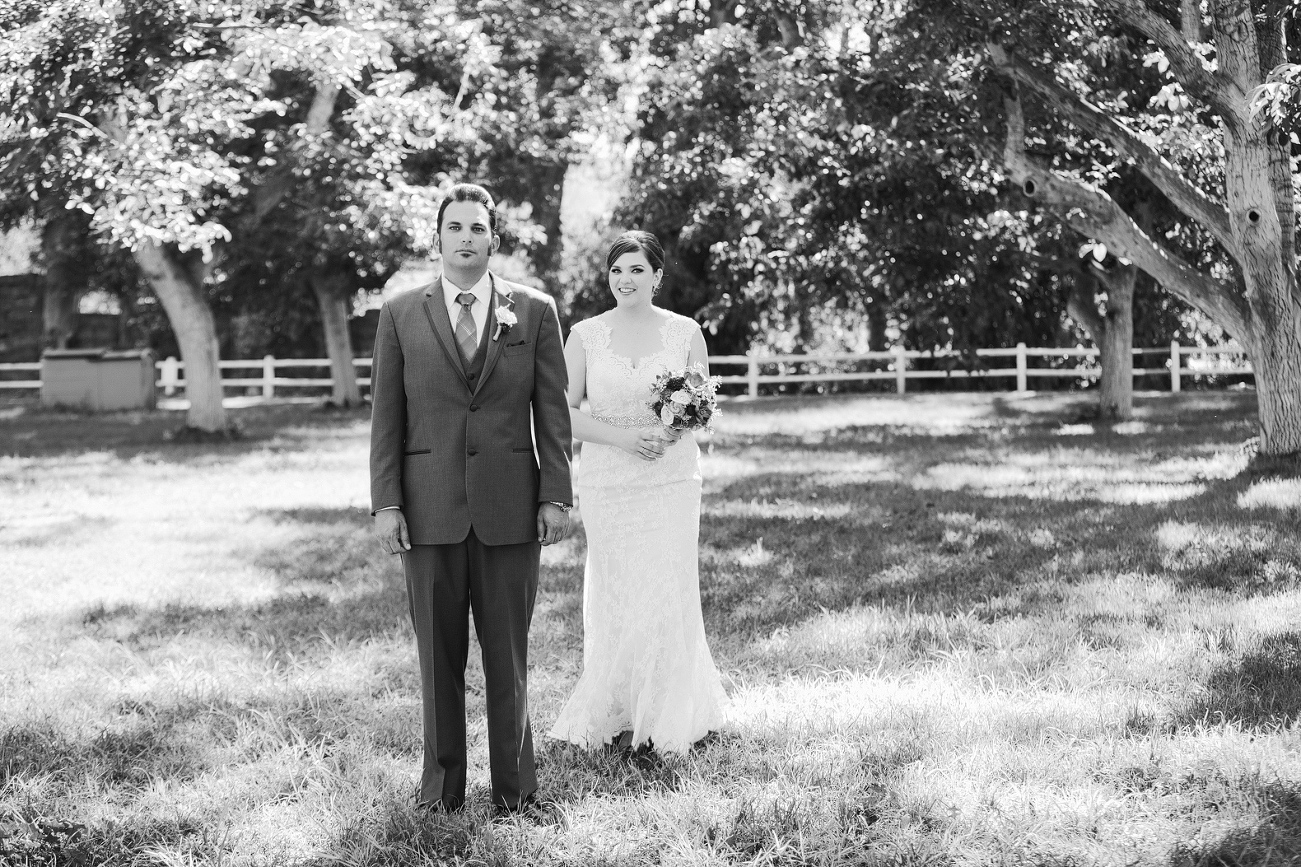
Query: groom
{"x": 469, "y": 469}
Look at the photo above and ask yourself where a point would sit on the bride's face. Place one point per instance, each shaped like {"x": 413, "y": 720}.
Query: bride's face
{"x": 632, "y": 280}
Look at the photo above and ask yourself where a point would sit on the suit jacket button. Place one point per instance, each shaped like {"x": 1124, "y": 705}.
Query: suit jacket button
{"x": 474, "y": 407}
{"x": 472, "y": 453}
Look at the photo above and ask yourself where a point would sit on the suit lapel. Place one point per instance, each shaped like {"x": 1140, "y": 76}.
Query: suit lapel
{"x": 436, "y": 311}
{"x": 502, "y": 297}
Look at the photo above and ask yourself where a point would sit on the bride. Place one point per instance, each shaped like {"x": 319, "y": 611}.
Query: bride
{"x": 648, "y": 678}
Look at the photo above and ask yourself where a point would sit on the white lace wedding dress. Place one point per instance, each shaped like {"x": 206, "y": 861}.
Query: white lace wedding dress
{"x": 646, "y": 664}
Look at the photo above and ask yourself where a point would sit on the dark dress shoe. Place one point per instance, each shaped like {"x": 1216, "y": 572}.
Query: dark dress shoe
{"x": 533, "y": 809}
{"x": 619, "y": 743}
{"x": 623, "y": 746}
{"x": 442, "y": 805}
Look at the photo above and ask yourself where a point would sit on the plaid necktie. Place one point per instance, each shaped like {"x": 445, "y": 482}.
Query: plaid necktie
{"x": 467, "y": 337}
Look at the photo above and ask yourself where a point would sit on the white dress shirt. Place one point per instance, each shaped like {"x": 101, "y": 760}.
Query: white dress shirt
{"x": 482, "y": 292}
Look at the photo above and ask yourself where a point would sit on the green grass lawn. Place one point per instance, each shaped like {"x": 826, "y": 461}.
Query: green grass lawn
{"x": 956, "y": 629}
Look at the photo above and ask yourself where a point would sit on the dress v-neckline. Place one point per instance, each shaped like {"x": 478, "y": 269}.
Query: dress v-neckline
{"x": 637, "y": 365}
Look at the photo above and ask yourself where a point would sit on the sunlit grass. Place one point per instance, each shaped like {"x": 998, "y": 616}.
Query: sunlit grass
{"x": 956, "y": 629}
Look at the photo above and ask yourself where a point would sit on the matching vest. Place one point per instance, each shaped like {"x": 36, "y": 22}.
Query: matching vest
{"x": 474, "y": 369}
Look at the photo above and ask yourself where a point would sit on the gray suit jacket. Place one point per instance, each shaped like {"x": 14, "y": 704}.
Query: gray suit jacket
{"x": 452, "y": 455}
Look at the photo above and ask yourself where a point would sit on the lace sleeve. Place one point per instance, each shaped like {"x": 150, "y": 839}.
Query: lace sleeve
{"x": 594, "y": 334}
{"x": 678, "y": 338}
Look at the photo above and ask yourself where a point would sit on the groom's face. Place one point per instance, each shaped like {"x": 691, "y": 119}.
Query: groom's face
{"x": 465, "y": 239}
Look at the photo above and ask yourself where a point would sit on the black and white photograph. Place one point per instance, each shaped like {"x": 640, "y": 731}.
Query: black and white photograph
{"x": 613, "y": 433}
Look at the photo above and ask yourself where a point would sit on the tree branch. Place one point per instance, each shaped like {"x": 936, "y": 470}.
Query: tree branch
{"x": 273, "y": 190}
{"x": 1081, "y": 306}
{"x": 1094, "y": 214}
{"x": 1121, "y": 279}
{"x": 1190, "y": 20}
{"x": 791, "y": 32}
{"x": 1169, "y": 180}
{"x": 323, "y": 102}
{"x": 12, "y": 145}
{"x": 1058, "y": 265}
{"x": 1223, "y": 95}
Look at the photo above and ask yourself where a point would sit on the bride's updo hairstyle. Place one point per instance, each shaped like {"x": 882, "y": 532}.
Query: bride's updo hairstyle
{"x": 637, "y": 241}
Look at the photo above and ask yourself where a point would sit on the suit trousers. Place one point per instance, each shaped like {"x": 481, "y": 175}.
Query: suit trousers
{"x": 498, "y": 584}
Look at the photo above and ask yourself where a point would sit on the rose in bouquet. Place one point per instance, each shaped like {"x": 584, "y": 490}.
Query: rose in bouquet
{"x": 685, "y": 400}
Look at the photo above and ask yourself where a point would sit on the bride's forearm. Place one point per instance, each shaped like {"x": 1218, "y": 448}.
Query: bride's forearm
{"x": 589, "y": 430}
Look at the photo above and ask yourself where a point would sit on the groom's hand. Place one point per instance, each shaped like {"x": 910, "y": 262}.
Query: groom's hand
{"x": 553, "y": 523}
{"x": 391, "y": 528}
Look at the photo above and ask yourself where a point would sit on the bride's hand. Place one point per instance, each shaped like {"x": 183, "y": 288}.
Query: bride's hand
{"x": 647, "y": 443}
{"x": 671, "y": 434}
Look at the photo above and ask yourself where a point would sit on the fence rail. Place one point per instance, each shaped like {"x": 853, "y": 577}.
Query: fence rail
{"x": 898, "y": 364}
{"x": 21, "y": 367}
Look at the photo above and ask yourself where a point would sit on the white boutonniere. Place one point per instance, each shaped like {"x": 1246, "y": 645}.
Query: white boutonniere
{"x": 505, "y": 320}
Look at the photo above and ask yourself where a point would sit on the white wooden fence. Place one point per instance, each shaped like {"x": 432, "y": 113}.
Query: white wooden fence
{"x": 900, "y": 365}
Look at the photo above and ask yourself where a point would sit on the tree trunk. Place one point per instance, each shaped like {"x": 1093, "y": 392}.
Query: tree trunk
{"x": 1260, "y": 202}
{"x": 547, "y": 201}
{"x": 332, "y": 294}
{"x": 876, "y": 325}
{"x": 1276, "y": 361}
{"x": 1113, "y": 334}
{"x": 63, "y": 250}
{"x": 1117, "y": 347}
{"x": 1260, "y": 302}
{"x": 186, "y": 304}
{"x": 59, "y": 313}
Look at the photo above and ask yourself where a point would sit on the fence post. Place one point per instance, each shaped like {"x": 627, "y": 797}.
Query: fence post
{"x": 170, "y": 375}
{"x": 268, "y": 376}
{"x": 1021, "y": 384}
{"x": 752, "y": 376}
{"x": 900, "y": 368}
{"x": 1174, "y": 367}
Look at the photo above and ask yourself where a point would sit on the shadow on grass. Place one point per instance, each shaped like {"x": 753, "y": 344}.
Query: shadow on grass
{"x": 840, "y": 828}
{"x": 139, "y": 745}
{"x": 775, "y": 564}
{"x": 38, "y": 432}
{"x": 825, "y": 546}
{"x": 863, "y": 544}
{"x": 130, "y": 754}
{"x": 29, "y": 839}
{"x": 1275, "y": 840}
{"x": 574, "y": 773}
{"x": 342, "y": 589}
{"x": 336, "y": 587}
{"x": 929, "y": 531}
{"x": 403, "y": 835}
{"x": 1260, "y": 690}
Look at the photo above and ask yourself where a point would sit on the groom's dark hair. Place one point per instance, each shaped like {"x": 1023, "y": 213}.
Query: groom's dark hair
{"x": 637, "y": 241}
{"x": 469, "y": 193}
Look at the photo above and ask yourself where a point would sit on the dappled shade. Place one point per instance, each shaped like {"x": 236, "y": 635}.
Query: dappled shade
{"x": 1259, "y": 690}
{"x": 924, "y": 620}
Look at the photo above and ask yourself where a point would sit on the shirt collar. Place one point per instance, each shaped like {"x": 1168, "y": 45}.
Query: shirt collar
{"x": 482, "y": 290}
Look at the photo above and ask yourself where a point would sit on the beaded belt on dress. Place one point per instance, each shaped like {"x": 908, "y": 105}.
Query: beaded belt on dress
{"x": 636, "y": 420}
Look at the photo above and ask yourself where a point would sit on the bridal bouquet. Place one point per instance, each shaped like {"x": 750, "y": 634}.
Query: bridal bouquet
{"x": 685, "y": 400}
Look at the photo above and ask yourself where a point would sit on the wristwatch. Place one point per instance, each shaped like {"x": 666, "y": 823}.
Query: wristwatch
{"x": 564, "y": 507}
